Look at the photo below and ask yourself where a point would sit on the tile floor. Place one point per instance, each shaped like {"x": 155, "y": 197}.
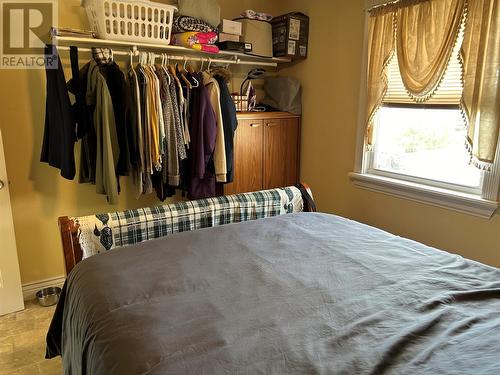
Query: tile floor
{"x": 22, "y": 342}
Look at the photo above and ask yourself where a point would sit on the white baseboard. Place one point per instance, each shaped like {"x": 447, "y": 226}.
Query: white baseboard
{"x": 30, "y": 289}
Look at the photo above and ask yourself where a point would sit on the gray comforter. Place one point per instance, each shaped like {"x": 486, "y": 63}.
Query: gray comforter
{"x": 299, "y": 293}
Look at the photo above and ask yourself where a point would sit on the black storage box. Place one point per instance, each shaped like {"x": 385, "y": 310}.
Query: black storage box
{"x": 290, "y": 35}
{"x": 234, "y": 46}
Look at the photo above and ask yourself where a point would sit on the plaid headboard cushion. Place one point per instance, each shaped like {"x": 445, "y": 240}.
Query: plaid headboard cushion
{"x": 102, "y": 232}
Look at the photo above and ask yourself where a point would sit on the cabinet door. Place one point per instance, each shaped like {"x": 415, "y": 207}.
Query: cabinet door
{"x": 281, "y": 152}
{"x": 248, "y": 143}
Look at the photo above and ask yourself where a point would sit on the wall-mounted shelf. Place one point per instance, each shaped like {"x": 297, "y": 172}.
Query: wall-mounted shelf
{"x": 173, "y": 51}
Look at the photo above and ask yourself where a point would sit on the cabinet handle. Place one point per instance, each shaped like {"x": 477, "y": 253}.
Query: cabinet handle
{"x": 271, "y": 124}
{"x": 254, "y": 125}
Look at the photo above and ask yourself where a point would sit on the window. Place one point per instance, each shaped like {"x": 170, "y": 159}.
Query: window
{"x": 425, "y": 145}
{"x": 424, "y": 142}
{"x": 418, "y": 148}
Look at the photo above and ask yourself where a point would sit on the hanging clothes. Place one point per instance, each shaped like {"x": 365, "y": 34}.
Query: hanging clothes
{"x": 115, "y": 80}
{"x": 78, "y": 88}
{"x": 181, "y": 101}
{"x": 178, "y": 103}
{"x": 185, "y": 92}
{"x": 153, "y": 119}
{"x": 160, "y": 126}
{"x": 167, "y": 127}
{"x": 107, "y": 147}
{"x": 88, "y": 150}
{"x": 136, "y": 113}
{"x": 171, "y": 174}
{"x": 146, "y": 129}
{"x": 203, "y": 130}
{"x": 230, "y": 122}
{"x": 84, "y": 114}
{"x": 60, "y": 126}
{"x": 131, "y": 125}
{"x": 83, "y": 117}
{"x": 160, "y": 178}
{"x": 220, "y": 148}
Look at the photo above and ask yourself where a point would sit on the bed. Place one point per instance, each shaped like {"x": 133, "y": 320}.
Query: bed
{"x": 292, "y": 293}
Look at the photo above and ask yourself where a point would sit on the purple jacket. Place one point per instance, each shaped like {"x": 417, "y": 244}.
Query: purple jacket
{"x": 203, "y": 130}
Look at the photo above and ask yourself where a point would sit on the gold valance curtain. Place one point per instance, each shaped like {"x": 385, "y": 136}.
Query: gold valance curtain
{"x": 425, "y": 33}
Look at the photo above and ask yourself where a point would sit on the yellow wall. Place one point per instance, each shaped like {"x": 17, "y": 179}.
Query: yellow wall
{"x": 38, "y": 194}
{"x": 331, "y": 81}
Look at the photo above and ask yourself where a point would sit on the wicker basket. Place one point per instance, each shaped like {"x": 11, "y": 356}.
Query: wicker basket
{"x": 241, "y": 102}
{"x": 129, "y": 20}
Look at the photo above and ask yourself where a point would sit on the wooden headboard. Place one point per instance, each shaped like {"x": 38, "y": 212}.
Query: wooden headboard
{"x": 73, "y": 252}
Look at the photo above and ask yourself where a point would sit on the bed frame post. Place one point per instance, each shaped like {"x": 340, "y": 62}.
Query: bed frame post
{"x": 71, "y": 246}
{"x": 309, "y": 204}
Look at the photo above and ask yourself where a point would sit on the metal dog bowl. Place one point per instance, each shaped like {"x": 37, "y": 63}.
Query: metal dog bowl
{"x": 48, "y": 296}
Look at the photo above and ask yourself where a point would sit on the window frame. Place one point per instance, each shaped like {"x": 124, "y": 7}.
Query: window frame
{"x": 440, "y": 194}
{"x": 370, "y": 160}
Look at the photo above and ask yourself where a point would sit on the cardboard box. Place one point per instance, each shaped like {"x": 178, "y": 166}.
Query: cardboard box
{"x": 224, "y": 37}
{"x": 290, "y": 35}
{"x": 259, "y": 33}
{"x": 230, "y": 27}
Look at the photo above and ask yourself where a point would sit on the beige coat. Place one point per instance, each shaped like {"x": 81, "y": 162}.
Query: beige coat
{"x": 220, "y": 148}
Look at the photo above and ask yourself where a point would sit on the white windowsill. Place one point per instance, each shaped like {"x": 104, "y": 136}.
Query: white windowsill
{"x": 444, "y": 198}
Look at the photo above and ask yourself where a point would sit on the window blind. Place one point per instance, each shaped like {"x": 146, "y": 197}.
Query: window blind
{"x": 449, "y": 91}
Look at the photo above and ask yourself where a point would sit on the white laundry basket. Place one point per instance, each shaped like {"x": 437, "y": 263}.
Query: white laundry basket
{"x": 130, "y": 20}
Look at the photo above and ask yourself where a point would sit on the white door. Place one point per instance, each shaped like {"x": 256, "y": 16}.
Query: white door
{"x": 11, "y": 295}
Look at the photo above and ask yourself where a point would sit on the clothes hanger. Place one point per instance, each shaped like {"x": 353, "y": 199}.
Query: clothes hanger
{"x": 142, "y": 56}
{"x": 182, "y": 73}
{"x": 171, "y": 69}
{"x": 178, "y": 66}
{"x": 196, "y": 82}
{"x": 150, "y": 64}
{"x": 164, "y": 61}
{"x": 190, "y": 69}
{"x": 167, "y": 73}
{"x": 182, "y": 68}
{"x": 154, "y": 56}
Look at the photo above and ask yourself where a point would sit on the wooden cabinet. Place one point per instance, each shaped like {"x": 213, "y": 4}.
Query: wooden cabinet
{"x": 266, "y": 152}
{"x": 248, "y": 158}
{"x": 281, "y": 152}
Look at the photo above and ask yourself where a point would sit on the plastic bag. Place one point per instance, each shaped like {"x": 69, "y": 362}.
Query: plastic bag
{"x": 283, "y": 93}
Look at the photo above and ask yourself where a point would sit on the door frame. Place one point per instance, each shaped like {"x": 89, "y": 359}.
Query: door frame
{"x": 11, "y": 295}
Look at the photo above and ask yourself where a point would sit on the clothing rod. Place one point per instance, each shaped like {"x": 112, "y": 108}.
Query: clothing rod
{"x": 235, "y": 61}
